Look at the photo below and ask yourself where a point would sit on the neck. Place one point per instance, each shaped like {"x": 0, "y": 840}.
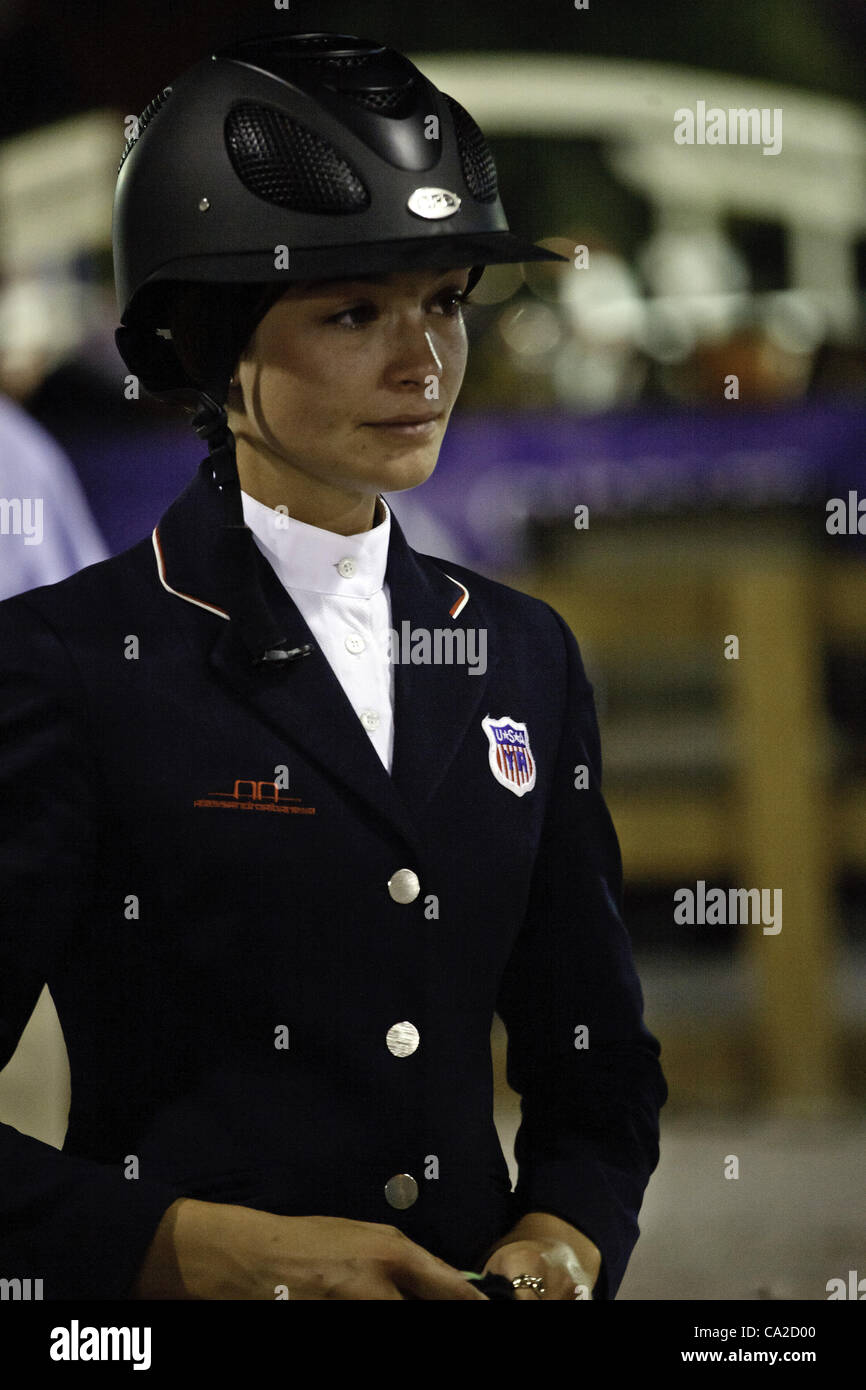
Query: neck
{"x": 331, "y": 511}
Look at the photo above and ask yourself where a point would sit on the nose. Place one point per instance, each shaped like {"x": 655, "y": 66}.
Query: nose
{"x": 433, "y": 351}
{"x": 414, "y": 356}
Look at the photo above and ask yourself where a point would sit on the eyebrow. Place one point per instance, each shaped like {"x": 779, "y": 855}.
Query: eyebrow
{"x": 352, "y": 279}
{"x": 345, "y": 281}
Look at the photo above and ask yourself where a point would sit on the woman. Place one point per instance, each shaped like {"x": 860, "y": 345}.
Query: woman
{"x": 277, "y": 838}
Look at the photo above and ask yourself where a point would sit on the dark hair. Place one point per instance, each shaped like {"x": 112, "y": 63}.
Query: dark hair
{"x": 212, "y": 324}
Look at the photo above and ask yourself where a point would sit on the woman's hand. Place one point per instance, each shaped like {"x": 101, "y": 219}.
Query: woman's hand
{"x": 553, "y": 1261}
{"x": 210, "y": 1250}
{"x": 545, "y": 1247}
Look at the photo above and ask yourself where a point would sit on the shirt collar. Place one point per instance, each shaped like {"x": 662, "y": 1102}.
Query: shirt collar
{"x": 308, "y": 557}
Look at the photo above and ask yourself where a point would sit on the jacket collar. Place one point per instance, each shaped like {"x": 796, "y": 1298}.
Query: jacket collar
{"x": 307, "y": 557}
{"x": 224, "y": 590}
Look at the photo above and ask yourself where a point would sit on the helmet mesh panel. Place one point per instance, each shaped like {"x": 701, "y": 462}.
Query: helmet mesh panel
{"x": 312, "y": 40}
{"x": 479, "y": 169}
{"x": 340, "y": 61}
{"x": 283, "y": 162}
{"x": 386, "y": 101}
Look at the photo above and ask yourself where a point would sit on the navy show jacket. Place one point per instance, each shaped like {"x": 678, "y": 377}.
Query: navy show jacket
{"x": 189, "y": 913}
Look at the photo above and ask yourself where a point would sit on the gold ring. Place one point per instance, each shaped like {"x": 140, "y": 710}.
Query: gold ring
{"x": 530, "y": 1281}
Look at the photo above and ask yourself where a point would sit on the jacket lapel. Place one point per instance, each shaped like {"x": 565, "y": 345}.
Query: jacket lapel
{"x": 202, "y": 562}
{"x": 434, "y": 702}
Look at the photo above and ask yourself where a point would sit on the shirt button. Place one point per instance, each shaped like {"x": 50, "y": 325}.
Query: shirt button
{"x": 355, "y": 643}
{"x": 401, "y": 1191}
{"x": 402, "y": 1039}
{"x": 370, "y": 719}
{"x": 404, "y": 886}
{"x": 347, "y": 567}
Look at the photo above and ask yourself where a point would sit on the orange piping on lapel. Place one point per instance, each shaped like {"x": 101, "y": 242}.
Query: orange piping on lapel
{"x": 160, "y": 566}
{"x": 461, "y": 602}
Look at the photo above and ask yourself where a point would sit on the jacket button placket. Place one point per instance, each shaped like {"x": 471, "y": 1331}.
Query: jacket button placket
{"x": 402, "y": 1039}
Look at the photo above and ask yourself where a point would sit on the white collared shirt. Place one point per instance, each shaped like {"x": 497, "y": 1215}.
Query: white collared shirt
{"x": 338, "y": 583}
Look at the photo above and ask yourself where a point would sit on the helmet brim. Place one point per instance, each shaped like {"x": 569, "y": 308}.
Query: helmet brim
{"x": 358, "y": 259}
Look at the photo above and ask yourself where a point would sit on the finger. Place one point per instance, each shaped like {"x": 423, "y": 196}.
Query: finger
{"x": 368, "y": 1289}
{"x": 439, "y": 1289}
{"x": 511, "y": 1264}
{"x": 524, "y": 1295}
{"x": 431, "y": 1278}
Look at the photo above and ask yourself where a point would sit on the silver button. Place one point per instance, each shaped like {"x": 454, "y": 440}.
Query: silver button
{"x": 370, "y": 719}
{"x": 354, "y": 643}
{"x": 401, "y": 1191}
{"x": 402, "y": 1039}
{"x": 347, "y": 567}
{"x": 404, "y": 886}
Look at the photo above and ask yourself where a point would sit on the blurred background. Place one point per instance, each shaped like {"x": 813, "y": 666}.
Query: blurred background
{"x": 648, "y": 438}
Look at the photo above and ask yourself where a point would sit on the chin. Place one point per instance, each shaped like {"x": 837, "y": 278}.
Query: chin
{"x": 406, "y": 470}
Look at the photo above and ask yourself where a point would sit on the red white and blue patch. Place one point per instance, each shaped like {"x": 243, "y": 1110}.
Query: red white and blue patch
{"x": 509, "y": 753}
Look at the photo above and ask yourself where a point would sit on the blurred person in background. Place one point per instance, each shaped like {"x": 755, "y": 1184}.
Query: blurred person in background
{"x": 47, "y": 531}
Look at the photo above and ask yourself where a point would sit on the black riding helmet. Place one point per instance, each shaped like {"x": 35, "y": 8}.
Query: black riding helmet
{"x": 305, "y": 156}
{"x": 277, "y": 159}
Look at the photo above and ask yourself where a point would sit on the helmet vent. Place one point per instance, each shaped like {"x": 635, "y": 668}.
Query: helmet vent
{"x": 479, "y": 169}
{"x": 340, "y": 61}
{"x": 285, "y": 163}
{"x": 385, "y": 101}
{"x": 299, "y": 42}
{"x": 146, "y": 116}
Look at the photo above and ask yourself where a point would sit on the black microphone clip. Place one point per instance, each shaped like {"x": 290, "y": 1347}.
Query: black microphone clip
{"x": 278, "y": 655}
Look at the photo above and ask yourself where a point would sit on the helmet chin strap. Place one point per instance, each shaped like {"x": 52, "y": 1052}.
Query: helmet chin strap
{"x": 211, "y": 424}
{"x": 155, "y": 363}
{"x": 262, "y": 638}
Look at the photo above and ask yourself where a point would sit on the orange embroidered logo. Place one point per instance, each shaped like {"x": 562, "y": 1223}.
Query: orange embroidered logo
{"x": 256, "y": 796}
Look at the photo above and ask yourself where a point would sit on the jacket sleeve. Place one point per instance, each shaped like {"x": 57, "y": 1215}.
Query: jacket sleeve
{"x": 588, "y": 1138}
{"x": 78, "y": 1225}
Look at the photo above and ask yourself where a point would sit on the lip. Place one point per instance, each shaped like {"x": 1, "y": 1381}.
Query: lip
{"x": 406, "y": 424}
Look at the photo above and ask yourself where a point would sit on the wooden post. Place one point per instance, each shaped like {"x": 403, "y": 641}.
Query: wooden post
{"x": 781, "y": 752}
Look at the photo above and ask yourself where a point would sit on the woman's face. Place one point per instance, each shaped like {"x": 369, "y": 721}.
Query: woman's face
{"x": 328, "y": 364}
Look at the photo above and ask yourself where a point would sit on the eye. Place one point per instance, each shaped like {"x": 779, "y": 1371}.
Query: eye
{"x": 453, "y": 299}
{"x": 361, "y": 313}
